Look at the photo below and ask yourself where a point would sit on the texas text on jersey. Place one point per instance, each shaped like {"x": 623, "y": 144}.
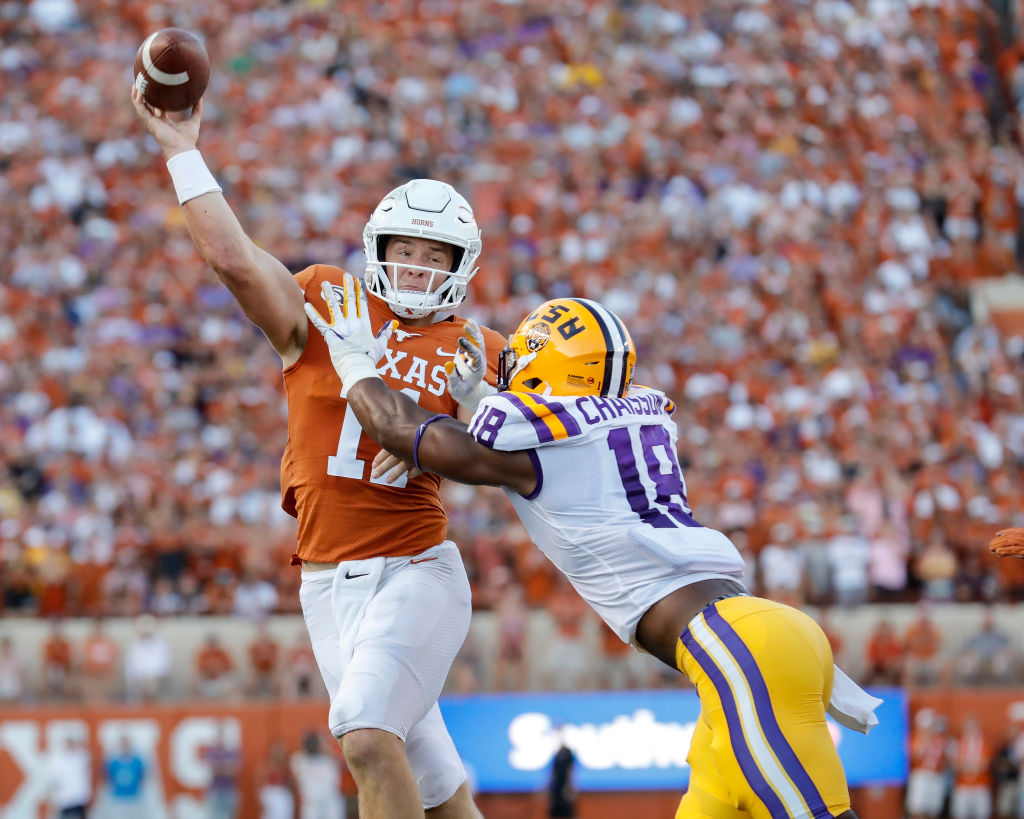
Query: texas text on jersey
{"x": 343, "y": 513}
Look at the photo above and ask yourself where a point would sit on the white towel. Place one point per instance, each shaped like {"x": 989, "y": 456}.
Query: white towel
{"x": 851, "y": 705}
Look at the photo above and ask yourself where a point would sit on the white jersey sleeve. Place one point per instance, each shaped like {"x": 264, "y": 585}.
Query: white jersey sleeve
{"x": 610, "y": 506}
{"x": 513, "y": 421}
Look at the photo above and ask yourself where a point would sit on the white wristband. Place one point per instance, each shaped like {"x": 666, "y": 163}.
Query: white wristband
{"x": 352, "y": 369}
{"x": 190, "y": 176}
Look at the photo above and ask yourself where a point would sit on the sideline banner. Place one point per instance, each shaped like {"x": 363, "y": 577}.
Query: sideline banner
{"x": 171, "y": 738}
{"x": 630, "y": 740}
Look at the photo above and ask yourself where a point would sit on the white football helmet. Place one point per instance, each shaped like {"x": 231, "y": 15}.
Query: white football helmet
{"x": 427, "y": 209}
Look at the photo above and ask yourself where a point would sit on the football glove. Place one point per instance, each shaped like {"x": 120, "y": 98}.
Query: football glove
{"x": 466, "y": 371}
{"x": 1008, "y": 543}
{"x": 354, "y": 348}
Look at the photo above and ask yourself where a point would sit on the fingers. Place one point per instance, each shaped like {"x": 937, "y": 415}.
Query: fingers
{"x": 465, "y": 368}
{"x": 396, "y": 473}
{"x": 470, "y": 354}
{"x": 470, "y": 358}
{"x": 385, "y": 331}
{"x": 352, "y": 305}
{"x": 382, "y": 462}
{"x": 353, "y": 292}
{"x": 330, "y": 295}
{"x": 139, "y": 103}
{"x": 392, "y": 467}
{"x": 315, "y": 317}
{"x": 473, "y": 332}
{"x": 1008, "y": 543}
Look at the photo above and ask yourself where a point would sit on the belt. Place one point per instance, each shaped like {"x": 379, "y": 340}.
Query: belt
{"x": 726, "y": 597}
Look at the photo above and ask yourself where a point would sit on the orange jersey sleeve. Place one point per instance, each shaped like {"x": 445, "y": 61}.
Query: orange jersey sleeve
{"x": 325, "y": 472}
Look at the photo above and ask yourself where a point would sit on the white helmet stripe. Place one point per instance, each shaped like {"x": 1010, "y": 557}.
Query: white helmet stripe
{"x": 614, "y": 382}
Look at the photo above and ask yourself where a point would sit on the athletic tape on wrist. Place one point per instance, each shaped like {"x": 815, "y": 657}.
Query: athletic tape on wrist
{"x": 480, "y": 392}
{"x": 190, "y": 176}
{"x": 353, "y": 369}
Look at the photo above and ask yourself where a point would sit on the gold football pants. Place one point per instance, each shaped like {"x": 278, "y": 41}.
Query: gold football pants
{"x": 762, "y": 748}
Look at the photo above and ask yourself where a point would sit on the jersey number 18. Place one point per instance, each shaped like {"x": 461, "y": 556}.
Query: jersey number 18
{"x": 661, "y": 473}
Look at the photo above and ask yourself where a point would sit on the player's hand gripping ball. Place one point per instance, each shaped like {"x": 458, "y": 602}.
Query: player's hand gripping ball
{"x": 172, "y": 69}
{"x": 1008, "y": 543}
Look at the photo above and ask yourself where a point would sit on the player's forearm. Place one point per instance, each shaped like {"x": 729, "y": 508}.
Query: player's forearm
{"x": 219, "y": 238}
{"x": 388, "y": 416}
{"x": 263, "y": 287}
{"x": 394, "y": 421}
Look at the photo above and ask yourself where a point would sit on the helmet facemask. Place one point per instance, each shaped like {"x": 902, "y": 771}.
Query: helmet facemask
{"x": 510, "y": 364}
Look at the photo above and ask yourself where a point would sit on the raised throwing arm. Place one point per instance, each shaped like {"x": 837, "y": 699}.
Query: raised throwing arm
{"x": 264, "y": 288}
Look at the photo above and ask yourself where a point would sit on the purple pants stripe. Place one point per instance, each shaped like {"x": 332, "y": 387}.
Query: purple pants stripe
{"x": 755, "y": 778}
{"x": 784, "y": 752}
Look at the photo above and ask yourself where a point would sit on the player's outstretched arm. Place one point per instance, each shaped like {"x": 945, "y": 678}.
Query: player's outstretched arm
{"x": 445, "y": 446}
{"x": 435, "y": 443}
{"x": 263, "y": 287}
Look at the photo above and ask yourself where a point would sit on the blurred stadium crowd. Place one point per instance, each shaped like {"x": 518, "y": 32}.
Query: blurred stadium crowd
{"x": 788, "y": 204}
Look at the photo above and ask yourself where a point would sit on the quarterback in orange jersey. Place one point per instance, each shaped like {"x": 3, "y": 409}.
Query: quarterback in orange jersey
{"x": 384, "y": 594}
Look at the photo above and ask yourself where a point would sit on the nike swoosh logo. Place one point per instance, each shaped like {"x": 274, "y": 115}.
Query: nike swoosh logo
{"x": 447, "y": 354}
{"x": 350, "y": 576}
{"x": 423, "y": 560}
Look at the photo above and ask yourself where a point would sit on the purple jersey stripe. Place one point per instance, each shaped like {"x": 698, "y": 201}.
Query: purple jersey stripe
{"x": 744, "y": 756}
{"x": 766, "y": 714}
{"x": 544, "y": 435}
{"x": 560, "y": 413}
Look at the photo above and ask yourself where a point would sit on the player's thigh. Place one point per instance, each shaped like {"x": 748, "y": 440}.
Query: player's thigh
{"x": 406, "y": 640}
{"x": 434, "y": 760}
{"x": 315, "y": 594}
{"x": 763, "y": 672}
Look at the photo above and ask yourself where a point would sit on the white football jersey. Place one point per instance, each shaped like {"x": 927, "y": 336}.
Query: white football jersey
{"x": 610, "y": 505}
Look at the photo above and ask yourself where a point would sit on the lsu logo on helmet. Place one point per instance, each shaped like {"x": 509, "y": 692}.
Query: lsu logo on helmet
{"x": 537, "y": 336}
{"x": 569, "y": 347}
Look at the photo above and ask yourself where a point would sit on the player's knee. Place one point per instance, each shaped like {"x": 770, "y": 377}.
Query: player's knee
{"x": 369, "y": 749}
{"x": 459, "y": 805}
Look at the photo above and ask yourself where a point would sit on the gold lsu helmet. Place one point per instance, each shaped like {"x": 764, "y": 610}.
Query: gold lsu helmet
{"x": 569, "y": 347}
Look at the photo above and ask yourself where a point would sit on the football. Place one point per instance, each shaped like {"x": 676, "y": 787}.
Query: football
{"x": 172, "y": 69}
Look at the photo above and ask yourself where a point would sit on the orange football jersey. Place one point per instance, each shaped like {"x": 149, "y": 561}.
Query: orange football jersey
{"x": 325, "y": 471}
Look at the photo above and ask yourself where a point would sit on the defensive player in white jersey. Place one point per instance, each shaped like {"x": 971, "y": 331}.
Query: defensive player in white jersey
{"x": 589, "y": 463}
